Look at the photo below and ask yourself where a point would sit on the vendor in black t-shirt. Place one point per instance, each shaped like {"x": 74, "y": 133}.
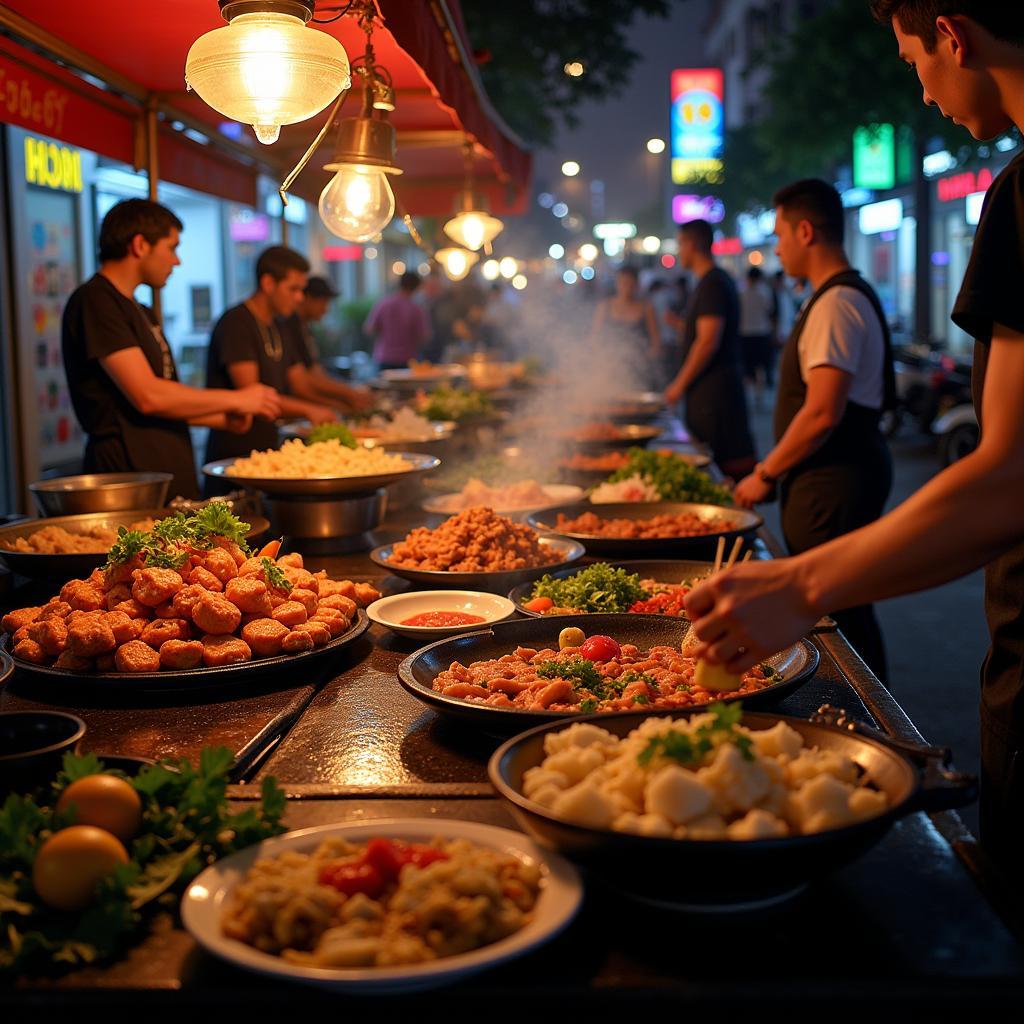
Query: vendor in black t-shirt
{"x": 711, "y": 377}
{"x": 249, "y": 345}
{"x": 971, "y": 514}
{"x": 306, "y": 377}
{"x": 121, "y": 375}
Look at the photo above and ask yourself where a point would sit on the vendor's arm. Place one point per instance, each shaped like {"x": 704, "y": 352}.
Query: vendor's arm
{"x": 705, "y": 344}
{"x": 827, "y": 390}
{"x": 312, "y": 384}
{"x": 243, "y": 374}
{"x": 151, "y": 395}
{"x": 964, "y": 517}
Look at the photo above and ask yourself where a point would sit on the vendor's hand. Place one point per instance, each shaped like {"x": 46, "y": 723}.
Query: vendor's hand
{"x": 318, "y": 414}
{"x": 757, "y": 608}
{"x": 361, "y": 399}
{"x": 673, "y": 393}
{"x": 237, "y": 422}
{"x": 750, "y": 491}
{"x": 257, "y": 400}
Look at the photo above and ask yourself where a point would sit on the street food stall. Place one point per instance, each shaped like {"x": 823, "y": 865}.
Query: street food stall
{"x": 428, "y": 715}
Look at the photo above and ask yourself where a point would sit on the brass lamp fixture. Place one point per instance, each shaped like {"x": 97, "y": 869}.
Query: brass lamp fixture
{"x": 358, "y": 202}
{"x": 266, "y": 67}
{"x": 472, "y": 227}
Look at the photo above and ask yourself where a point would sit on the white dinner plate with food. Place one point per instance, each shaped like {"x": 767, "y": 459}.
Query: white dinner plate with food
{"x": 421, "y": 615}
{"x": 209, "y": 901}
{"x": 458, "y": 501}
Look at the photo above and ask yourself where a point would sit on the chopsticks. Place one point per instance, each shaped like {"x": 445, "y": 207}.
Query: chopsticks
{"x": 688, "y": 643}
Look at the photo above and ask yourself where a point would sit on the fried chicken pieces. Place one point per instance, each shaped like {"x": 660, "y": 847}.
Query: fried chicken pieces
{"x": 218, "y": 608}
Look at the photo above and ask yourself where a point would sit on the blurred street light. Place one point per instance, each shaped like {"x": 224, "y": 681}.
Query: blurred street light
{"x": 570, "y": 168}
{"x": 569, "y": 277}
{"x": 587, "y": 273}
{"x": 508, "y": 267}
{"x": 650, "y": 243}
{"x": 519, "y": 282}
{"x": 560, "y": 210}
{"x": 588, "y": 252}
{"x": 490, "y": 270}
{"x": 655, "y": 146}
{"x": 574, "y": 68}
{"x": 556, "y": 251}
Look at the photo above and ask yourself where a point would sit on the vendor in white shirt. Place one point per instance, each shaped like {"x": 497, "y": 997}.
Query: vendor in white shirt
{"x": 830, "y": 458}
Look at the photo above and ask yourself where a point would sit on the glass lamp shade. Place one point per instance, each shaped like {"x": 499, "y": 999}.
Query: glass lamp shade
{"x": 267, "y": 69}
{"x": 473, "y": 229}
{"x": 357, "y": 203}
{"x": 457, "y": 262}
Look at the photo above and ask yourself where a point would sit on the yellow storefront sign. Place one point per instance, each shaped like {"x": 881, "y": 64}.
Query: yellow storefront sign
{"x": 52, "y": 166}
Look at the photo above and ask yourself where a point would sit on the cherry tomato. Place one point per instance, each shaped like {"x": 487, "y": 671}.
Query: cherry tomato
{"x": 600, "y": 648}
{"x": 539, "y": 604}
{"x": 421, "y": 856}
{"x": 387, "y": 857}
{"x": 351, "y": 877}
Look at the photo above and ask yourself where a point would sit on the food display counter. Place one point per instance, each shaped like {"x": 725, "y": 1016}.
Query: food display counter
{"x": 913, "y": 922}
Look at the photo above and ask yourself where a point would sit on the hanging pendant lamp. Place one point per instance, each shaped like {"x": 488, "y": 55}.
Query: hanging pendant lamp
{"x": 472, "y": 227}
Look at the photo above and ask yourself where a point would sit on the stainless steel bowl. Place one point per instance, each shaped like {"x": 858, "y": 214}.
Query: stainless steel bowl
{"x": 100, "y": 492}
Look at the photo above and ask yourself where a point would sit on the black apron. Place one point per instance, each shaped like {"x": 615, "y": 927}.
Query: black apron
{"x": 845, "y": 483}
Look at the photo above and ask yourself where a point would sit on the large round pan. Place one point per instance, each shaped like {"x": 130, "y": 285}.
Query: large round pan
{"x": 796, "y": 664}
{"x": 326, "y": 486}
{"x": 721, "y": 874}
{"x": 39, "y": 566}
{"x": 660, "y": 570}
{"x": 569, "y": 551}
{"x": 741, "y": 523}
{"x": 630, "y": 435}
{"x": 296, "y": 666}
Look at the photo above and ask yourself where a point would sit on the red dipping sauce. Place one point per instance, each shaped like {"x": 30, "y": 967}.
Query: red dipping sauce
{"x": 435, "y": 619}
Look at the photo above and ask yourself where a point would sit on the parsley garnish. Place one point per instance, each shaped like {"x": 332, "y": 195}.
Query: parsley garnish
{"x": 275, "y": 577}
{"x": 217, "y": 520}
{"x": 598, "y": 588}
{"x": 641, "y": 698}
{"x": 637, "y": 677}
{"x": 332, "y": 432}
{"x": 167, "y": 545}
{"x": 588, "y": 705}
{"x": 688, "y": 749}
{"x": 579, "y": 671}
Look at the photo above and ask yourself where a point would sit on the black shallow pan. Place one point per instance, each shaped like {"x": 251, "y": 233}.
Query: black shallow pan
{"x": 741, "y": 523}
{"x": 797, "y": 663}
{"x": 726, "y": 875}
{"x": 295, "y": 666}
{"x": 661, "y": 570}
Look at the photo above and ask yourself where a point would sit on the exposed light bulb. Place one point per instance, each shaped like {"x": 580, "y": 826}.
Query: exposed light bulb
{"x": 456, "y": 262}
{"x": 357, "y": 203}
{"x": 266, "y": 68}
{"x": 473, "y": 229}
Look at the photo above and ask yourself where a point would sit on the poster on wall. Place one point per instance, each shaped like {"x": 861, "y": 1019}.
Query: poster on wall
{"x": 53, "y": 274}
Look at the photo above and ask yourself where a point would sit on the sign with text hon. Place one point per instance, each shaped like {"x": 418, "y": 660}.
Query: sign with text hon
{"x": 697, "y": 125}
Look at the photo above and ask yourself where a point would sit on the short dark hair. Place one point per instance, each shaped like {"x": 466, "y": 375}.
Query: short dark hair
{"x": 1005, "y": 20}
{"x": 700, "y": 233}
{"x": 409, "y": 281}
{"x": 133, "y": 217}
{"x": 814, "y": 200}
{"x": 277, "y": 261}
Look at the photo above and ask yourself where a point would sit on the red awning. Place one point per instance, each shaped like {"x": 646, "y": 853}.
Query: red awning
{"x": 422, "y": 44}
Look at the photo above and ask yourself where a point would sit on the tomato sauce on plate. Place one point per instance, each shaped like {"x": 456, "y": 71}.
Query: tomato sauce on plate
{"x": 436, "y": 619}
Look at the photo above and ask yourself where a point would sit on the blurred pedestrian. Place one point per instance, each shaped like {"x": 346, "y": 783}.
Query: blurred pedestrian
{"x": 399, "y": 325}
{"x": 758, "y": 320}
{"x": 630, "y": 321}
{"x": 711, "y": 376}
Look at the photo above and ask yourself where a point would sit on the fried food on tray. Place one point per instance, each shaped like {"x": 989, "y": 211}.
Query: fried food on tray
{"x": 178, "y": 598}
{"x": 477, "y": 540}
{"x": 55, "y": 540}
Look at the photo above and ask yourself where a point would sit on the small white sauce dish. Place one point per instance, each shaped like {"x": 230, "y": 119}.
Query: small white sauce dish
{"x": 391, "y": 612}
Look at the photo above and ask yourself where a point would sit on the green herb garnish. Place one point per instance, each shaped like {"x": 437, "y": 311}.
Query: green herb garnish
{"x": 332, "y": 432}
{"x": 275, "y": 577}
{"x": 641, "y": 698}
{"x": 448, "y": 403}
{"x": 588, "y": 705}
{"x": 580, "y": 672}
{"x": 688, "y": 749}
{"x": 129, "y": 544}
{"x": 167, "y": 545}
{"x": 637, "y": 677}
{"x": 673, "y": 477}
{"x": 598, "y": 588}
{"x": 217, "y": 520}
{"x": 186, "y": 825}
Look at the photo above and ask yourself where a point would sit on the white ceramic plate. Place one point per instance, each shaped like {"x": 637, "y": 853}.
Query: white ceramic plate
{"x": 204, "y": 901}
{"x": 390, "y": 611}
{"x": 560, "y": 494}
